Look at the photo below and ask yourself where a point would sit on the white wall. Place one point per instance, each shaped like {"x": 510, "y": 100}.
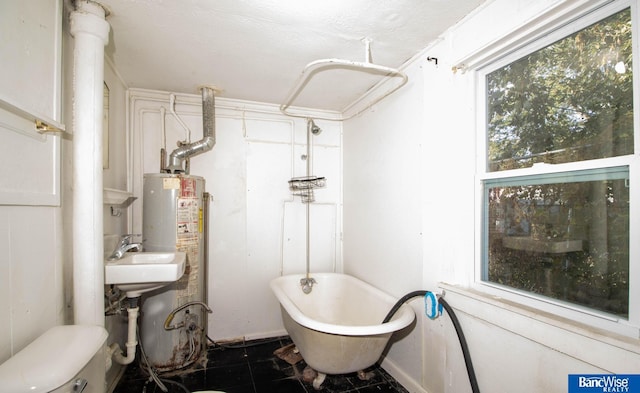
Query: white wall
{"x": 31, "y": 277}
{"x": 382, "y": 206}
{"x": 257, "y": 229}
{"x": 30, "y": 273}
{"x": 414, "y": 156}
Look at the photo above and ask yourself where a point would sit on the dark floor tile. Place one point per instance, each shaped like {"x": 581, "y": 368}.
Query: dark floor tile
{"x": 238, "y": 389}
{"x": 130, "y": 386}
{"x": 226, "y": 377}
{"x": 271, "y": 370}
{"x": 195, "y": 380}
{"x": 285, "y": 340}
{"x": 173, "y": 384}
{"x": 397, "y": 387}
{"x": 287, "y": 385}
{"x": 253, "y": 368}
{"x": 392, "y": 382}
{"x": 138, "y": 386}
{"x": 221, "y": 356}
{"x": 380, "y": 388}
{"x": 264, "y": 350}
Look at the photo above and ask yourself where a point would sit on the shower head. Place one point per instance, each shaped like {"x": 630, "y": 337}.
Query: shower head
{"x": 311, "y": 125}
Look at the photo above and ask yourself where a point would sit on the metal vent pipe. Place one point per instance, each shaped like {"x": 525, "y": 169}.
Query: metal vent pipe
{"x": 208, "y": 140}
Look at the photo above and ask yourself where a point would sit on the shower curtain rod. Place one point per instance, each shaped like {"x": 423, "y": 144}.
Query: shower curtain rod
{"x": 311, "y": 69}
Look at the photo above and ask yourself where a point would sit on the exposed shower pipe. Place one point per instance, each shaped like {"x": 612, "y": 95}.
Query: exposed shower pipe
{"x": 307, "y": 282}
{"x": 312, "y": 128}
{"x": 367, "y": 51}
{"x": 208, "y": 132}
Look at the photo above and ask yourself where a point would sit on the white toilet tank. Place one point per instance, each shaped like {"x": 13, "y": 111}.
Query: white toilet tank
{"x": 65, "y": 359}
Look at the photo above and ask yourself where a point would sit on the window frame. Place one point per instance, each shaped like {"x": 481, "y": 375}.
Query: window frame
{"x": 556, "y": 28}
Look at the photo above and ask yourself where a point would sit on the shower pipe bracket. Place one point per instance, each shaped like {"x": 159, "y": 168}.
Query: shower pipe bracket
{"x": 323, "y": 64}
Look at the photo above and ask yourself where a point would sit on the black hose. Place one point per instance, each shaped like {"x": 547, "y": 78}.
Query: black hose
{"x": 456, "y": 324}
{"x": 463, "y": 344}
{"x": 402, "y": 301}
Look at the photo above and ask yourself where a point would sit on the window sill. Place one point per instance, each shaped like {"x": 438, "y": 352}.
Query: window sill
{"x": 609, "y": 351}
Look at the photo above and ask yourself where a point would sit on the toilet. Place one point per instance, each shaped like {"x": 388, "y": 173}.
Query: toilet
{"x": 65, "y": 359}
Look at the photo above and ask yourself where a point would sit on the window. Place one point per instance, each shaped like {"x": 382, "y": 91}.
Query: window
{"x": 559, "y": 151}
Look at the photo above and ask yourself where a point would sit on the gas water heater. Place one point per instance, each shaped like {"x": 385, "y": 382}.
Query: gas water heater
{"x": 173, "y": 323}
{"x": 174, "y": 218}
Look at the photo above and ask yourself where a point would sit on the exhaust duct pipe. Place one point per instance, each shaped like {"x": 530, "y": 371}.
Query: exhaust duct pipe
{"x": 208, "y": 140}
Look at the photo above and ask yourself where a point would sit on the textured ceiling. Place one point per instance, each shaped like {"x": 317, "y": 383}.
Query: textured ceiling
{"x": 256, "y": 49}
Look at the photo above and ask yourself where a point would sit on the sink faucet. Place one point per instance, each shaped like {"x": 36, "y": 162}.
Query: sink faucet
{"x": 123, "y": 246}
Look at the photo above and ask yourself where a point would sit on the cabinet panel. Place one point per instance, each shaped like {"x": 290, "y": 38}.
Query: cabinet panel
{"x": 30, "y": 49}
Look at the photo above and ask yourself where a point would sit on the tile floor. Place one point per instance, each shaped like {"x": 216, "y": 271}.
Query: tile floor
{"x": 255, "y": 369}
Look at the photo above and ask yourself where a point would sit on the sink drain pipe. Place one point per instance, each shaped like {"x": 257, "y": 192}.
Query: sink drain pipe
{"x": 114, "y": 351}
{"x": 438, "y": 302}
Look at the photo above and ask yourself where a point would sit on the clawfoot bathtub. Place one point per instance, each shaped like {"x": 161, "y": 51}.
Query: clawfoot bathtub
{"x": 338, "y": 327}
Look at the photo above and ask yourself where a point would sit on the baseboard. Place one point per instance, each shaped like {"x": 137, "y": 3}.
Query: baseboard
{"x": 403, "y": 378}
{"x": 250, "y": 337}
{"x": 258, "y": 336}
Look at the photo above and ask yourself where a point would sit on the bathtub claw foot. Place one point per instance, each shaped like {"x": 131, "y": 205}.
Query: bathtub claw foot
{"x": 365, "y": 376}
{"x": 319, "y": 380}
{"x": 309, "y": 374}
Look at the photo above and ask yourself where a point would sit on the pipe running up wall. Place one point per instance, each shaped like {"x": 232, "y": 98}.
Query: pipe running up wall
{"x": 208, "y": 140}
{"x": 90, "y": 31}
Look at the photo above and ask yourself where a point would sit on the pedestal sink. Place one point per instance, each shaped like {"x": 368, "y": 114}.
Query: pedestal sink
{"x": 139, "y": 272}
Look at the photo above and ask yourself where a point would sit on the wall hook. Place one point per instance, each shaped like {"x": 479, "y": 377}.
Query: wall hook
{"x": 433, "y": 59}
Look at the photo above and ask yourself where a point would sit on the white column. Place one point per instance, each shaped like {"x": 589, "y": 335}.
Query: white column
{"x": 91, "y": 33}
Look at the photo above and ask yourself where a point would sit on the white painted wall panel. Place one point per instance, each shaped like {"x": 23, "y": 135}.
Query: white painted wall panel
{"x": 257, "y": 152}
{"x": 37, "y": 160}
{"x": 383, "y": 184}
{"x": 268, "y": 169}
{"x": 30, "y": 36}
{"x": 31, "y": 283}
{"x": 324, "y": 252}
{"x": 226, "y": 169}
{"x": 31, "y": 278}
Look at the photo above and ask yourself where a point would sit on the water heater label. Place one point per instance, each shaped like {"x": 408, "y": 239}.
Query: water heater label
{"x": 187, "y": 220}
{"x": 188, "y": 188}
{"x": 171, "y": 183}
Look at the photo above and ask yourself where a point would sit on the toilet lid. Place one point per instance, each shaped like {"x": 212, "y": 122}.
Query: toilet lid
{"x": 52, "y": 359}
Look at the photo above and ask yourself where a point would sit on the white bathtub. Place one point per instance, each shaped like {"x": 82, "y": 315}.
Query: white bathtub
{"x": 337, "y": 327}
